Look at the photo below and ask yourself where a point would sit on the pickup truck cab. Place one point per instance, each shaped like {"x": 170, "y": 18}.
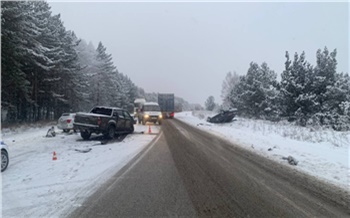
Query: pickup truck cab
{"x": 150, "y": 112}
{"x": 106, "y": 120}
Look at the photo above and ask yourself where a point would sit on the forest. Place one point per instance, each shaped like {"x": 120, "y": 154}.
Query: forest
{"x": 47, "y": 70}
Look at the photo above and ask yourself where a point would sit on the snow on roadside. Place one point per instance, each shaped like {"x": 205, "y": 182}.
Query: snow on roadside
{"x": 322, "y": 153}
{"x": 36, "y": 186}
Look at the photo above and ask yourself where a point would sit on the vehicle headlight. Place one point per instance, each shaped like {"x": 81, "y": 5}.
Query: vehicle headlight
{"x": 146, "y": 115}
{"x": 160, "y": 116}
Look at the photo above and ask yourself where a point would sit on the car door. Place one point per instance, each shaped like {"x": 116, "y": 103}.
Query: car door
{"x": 121, "y": 121}
{"x": 128, "y": 120}
{"x": 115, "y": 118}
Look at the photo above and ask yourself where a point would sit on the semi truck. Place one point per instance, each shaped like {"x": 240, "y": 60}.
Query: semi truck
{"x": 167, "y": 104}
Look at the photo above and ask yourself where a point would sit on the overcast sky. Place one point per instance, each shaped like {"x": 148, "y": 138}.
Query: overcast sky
{"x": 188, "y": 48}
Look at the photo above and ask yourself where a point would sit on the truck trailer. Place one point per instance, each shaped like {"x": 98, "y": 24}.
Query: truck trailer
{"x": 167, "y": 104}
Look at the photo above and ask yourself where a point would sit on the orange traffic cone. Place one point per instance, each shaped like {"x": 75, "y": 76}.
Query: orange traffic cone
{"x": 54, "y": 156}
{"x": 149, "y": 129}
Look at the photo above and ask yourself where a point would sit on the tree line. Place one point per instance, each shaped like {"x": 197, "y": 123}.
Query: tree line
{"x": 305, "y": 94}
{"x": 47, "y": 70}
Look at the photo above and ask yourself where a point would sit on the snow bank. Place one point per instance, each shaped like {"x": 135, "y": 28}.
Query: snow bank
{"x": 322, "y": 153}
{"x": 36, "y": 186}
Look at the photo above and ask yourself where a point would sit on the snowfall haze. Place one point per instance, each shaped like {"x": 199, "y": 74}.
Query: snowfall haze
{"x": 188, "y": 48}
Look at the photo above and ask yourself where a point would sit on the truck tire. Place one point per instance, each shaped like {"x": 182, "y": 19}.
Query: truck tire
{"x": 143, "y": 122}
{"x": 85, "y": 134}
{"x": 160, "y": 122}
{"x": 111, "y": 132}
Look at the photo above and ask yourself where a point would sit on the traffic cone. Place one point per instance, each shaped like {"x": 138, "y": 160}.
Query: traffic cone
{"x": 149, "y": 129}
{"x": 54, "y": 156}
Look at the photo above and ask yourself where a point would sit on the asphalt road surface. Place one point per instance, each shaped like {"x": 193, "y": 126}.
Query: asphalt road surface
{"x": 189, "y": 173}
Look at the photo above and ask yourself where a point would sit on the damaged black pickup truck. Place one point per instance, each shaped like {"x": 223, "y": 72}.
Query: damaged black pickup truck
{"x": 225, "y": 116}
{"x": 106, "y": 120}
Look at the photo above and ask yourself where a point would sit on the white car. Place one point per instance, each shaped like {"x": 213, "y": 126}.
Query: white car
{"x": 150, "y": 112}
{"x": 66, "y": 121}
{"x": 4, "y": 156}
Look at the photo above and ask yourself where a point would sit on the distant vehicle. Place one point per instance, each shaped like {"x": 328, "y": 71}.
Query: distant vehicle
{"x": 66, "y": 121}
{"x": 137, "y": 107}
{"x": 150, "y": 112}
{"x": 4, "y": 156}
{"x": 225, "y": 116}
{"x": 106, "y": 120}
{"x": 167, "y": 105}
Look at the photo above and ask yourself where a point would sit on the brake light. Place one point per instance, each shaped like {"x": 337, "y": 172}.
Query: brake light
{"x": 99, "y": 121}
{"x": 172, "y": 114}
{"x": 69, "y": 120}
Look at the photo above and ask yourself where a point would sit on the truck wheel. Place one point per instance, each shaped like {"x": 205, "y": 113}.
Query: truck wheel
{"x": 131, "y": 129}
{"x": 143, "y": 122}
{"x": 160, "y": 122}
{"x": 111, "y": 132}
{"x": 85, "y": 134}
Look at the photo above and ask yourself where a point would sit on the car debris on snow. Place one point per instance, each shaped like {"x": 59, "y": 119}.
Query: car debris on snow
{"x": 291, "y": 160}
{"x": 83, "y": 150}
{"x": 51, "y": 132}
{"x": 203, "y": 124}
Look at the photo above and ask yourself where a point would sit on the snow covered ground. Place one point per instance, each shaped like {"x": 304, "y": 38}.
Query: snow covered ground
{"x": 36, "y": 186}
{"x": 321, "y": 153}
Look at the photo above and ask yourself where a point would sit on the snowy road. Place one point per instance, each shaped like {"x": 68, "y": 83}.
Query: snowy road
{"x": 188, "y": 172}
{"x": 36, "y": 186}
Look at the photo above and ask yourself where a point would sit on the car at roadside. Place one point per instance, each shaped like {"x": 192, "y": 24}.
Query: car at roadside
{"x": 4, "y": 156}
{"x": 225, "y": 116}
{"x": 66, "y": 122}
{"x": 106, "y": 120}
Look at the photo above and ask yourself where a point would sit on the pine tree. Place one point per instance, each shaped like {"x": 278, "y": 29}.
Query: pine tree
{"x": 296, "y": 91}
{"x": 210, "y": 103}
{"x": 227, "y": 86}
{"x": 106, "y": 77}
{"x": 255, "y": 94}
{"x": 324, "y": 80}
{"x": 15, "y": 86}
{"x": 87, "y": 58}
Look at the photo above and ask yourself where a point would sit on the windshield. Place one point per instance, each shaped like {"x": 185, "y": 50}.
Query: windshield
{"x": 104, "y": 111}
{"x": 151, "y": 108}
